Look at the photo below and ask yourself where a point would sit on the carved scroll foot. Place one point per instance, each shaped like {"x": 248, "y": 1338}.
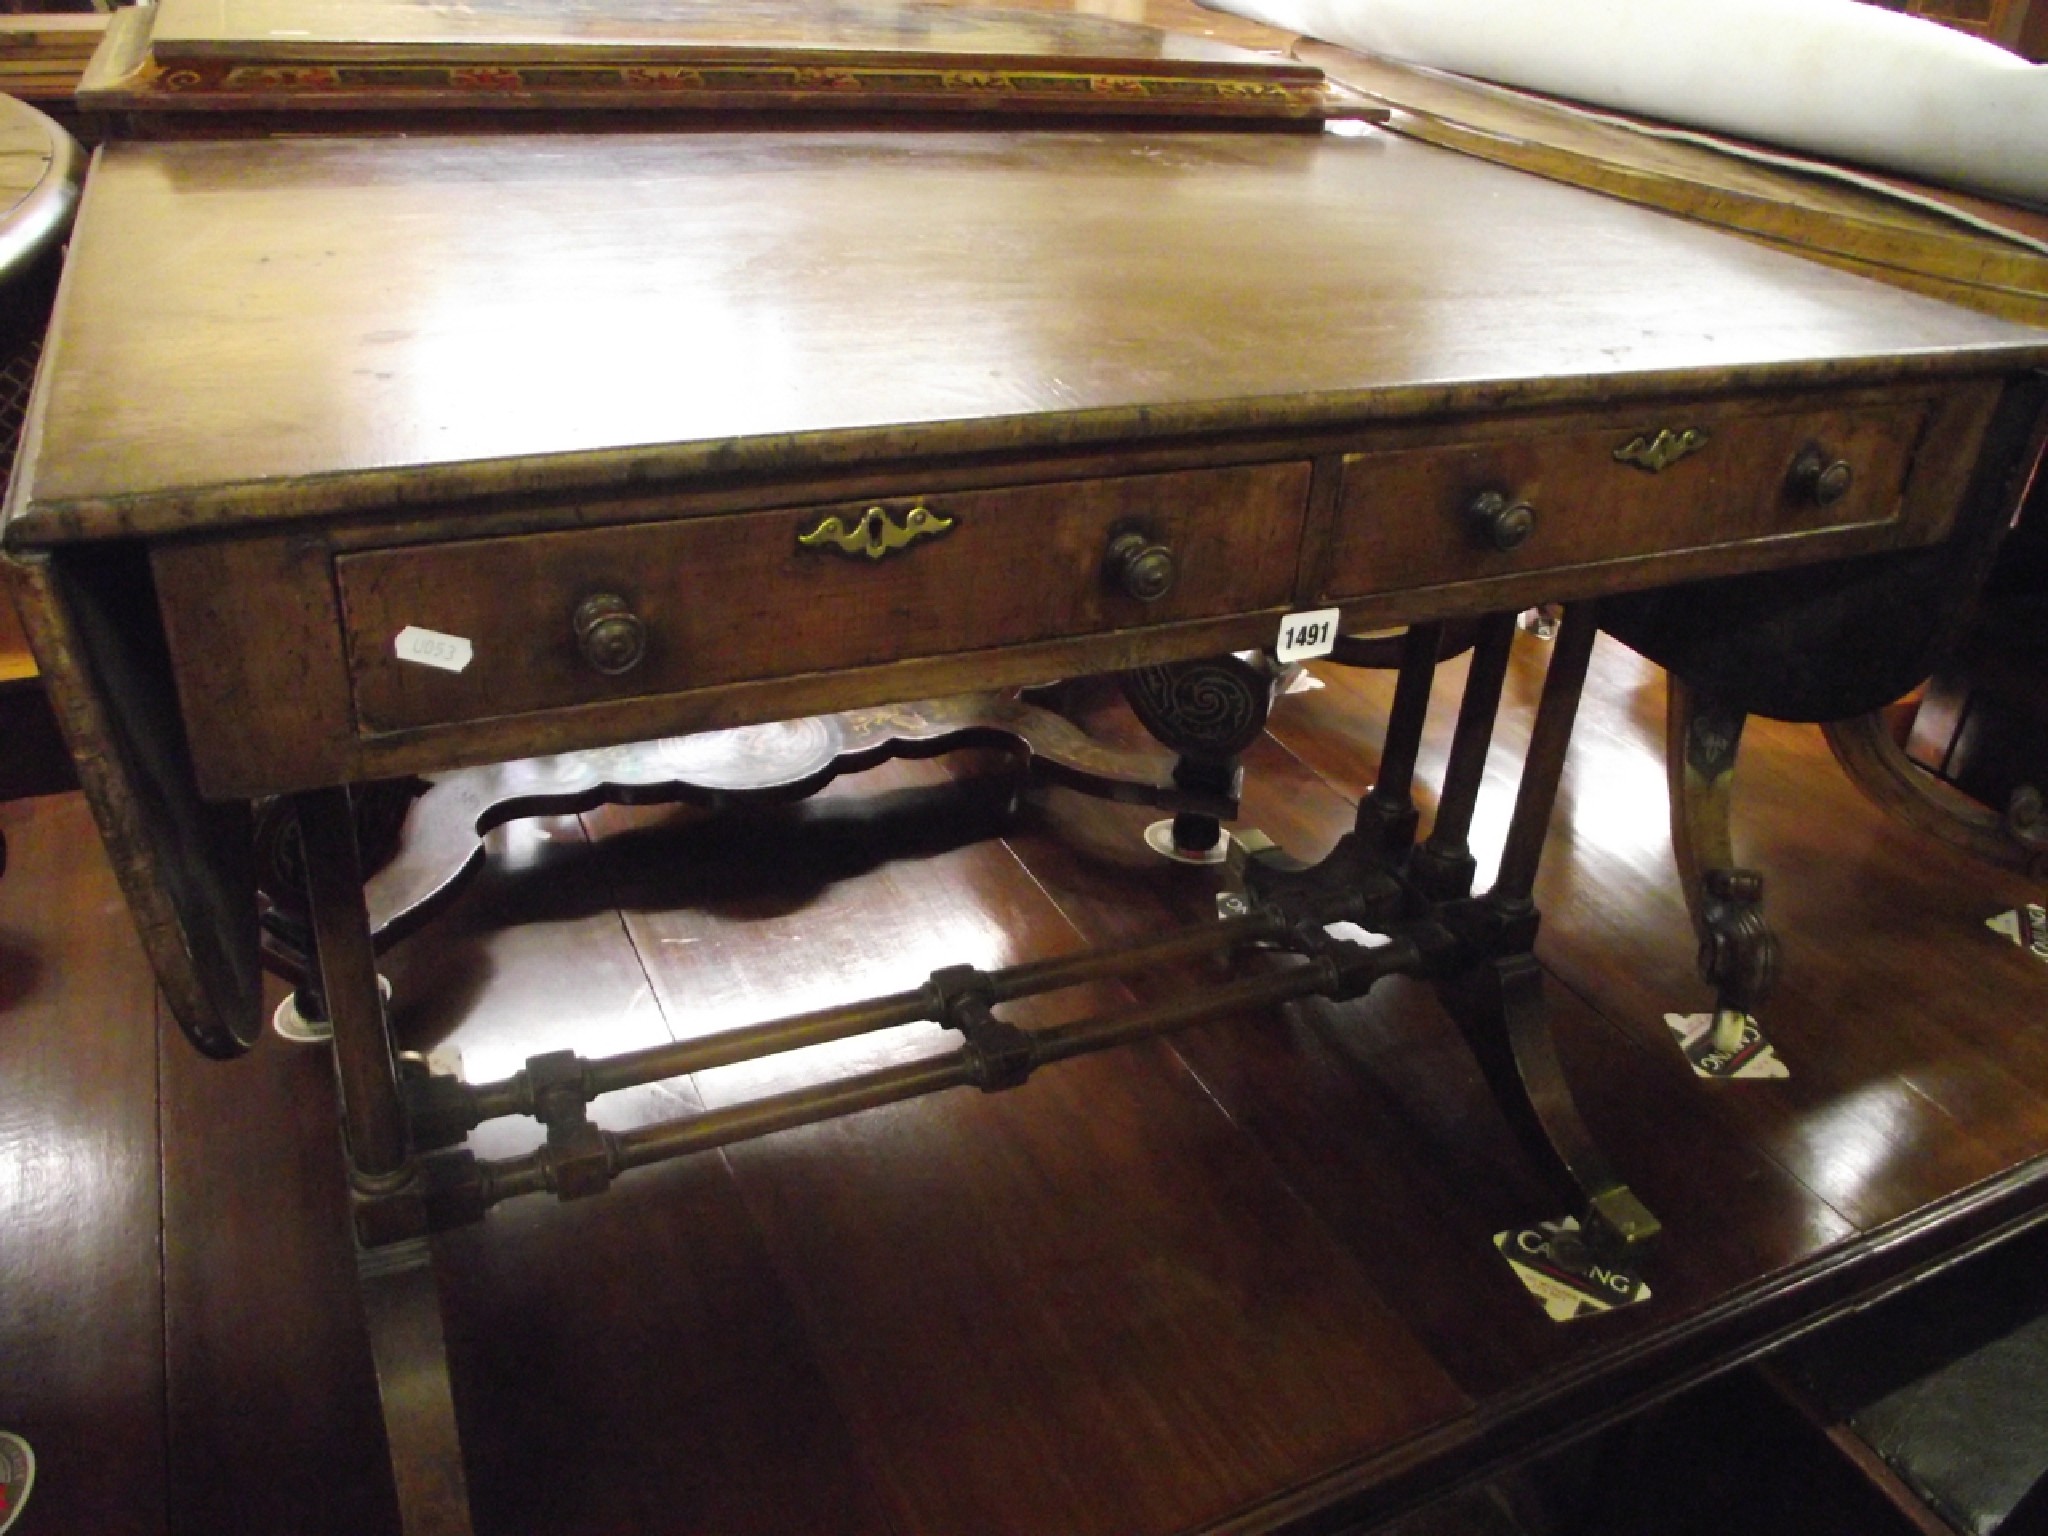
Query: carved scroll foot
{"x": 1738, "y": 952}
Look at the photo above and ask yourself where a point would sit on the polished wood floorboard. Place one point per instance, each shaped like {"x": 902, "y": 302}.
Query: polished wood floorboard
{"x": 1897, "y": 1007}
{"x": 1215, "y": 1282}
{"x": 259, "y": 1301}
{"x": 1143, "y": 1232}
{"x": 81, "y": 1286}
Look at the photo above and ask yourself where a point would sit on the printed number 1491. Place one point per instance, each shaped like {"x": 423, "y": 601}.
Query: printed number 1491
{"x": 1301, "y": 637}
{"x": 1305, "y": 635}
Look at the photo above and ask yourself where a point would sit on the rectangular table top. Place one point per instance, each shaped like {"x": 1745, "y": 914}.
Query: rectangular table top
{"x": 255, "y": 331}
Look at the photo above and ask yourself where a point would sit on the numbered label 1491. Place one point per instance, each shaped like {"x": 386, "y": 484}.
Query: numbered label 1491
{"x": 1306, "y": 635}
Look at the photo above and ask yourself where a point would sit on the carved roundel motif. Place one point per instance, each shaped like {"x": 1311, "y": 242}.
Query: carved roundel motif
{"x": 1214, "y": 708}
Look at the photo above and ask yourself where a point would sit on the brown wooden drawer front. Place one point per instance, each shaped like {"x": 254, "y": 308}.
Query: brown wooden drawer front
{"x": 730, "y": 599}
{"x": 1406, "y": 519}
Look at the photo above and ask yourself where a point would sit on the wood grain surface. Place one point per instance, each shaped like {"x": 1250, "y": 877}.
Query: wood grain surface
{"x": 1344, "y": 1096}
{"x": 1934, "y": 1097}
{"x": 1406, "y": 515}
{"x": 1218, "y": 1283}
{"x": 905, "y": 1230}
{"x": 265, "y": 331}
{"x": 81, "y": 1278}
{"x": 42, "y": 55}
{"x": 255, "y": 1203}
{"x": 718, "y": 598}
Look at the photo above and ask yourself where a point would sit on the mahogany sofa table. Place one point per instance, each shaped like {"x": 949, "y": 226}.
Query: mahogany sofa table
{"x": 356, "y": 460}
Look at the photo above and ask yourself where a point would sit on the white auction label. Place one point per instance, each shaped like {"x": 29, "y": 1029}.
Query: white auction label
{"x": 431, "y": 648}
{"x": 1304, "y": 636}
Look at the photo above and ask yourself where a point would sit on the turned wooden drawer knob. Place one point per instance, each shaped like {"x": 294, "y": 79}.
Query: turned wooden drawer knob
{"x": 1500, "y": 522}
{"x": 1819, "y": 479}
{"x": 1138, "y": 567}
{"x": 610, "y": 634}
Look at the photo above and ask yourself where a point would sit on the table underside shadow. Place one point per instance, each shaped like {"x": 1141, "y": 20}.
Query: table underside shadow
{"x": 1380, "y": 904}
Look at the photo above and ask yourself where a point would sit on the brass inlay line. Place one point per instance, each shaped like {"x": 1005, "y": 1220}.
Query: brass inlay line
{"x": 874, "y": 534}
{"x": 1662, "y": 451}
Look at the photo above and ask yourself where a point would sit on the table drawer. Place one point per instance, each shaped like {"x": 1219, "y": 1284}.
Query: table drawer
{"x": 559, "y": 619}
{"x": 1556, "y": 500}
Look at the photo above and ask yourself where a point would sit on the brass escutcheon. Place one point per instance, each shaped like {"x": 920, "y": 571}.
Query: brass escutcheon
{"x": 1662, "y": 451}
{"x": 874, "y": 534}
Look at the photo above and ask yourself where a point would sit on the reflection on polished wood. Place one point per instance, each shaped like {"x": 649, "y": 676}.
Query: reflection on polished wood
{"x": 82, "y": 1327}
{"x": 1876, "y": 923}
{"x": 1208, "y": 1284}
{"x": 1280, "y": 284}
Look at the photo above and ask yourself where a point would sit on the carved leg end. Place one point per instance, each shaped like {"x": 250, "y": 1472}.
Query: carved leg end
{"x": 1617, "y": 1222}
{"x": 1499, "y": 1005}
{"x": 1738, "y": 952}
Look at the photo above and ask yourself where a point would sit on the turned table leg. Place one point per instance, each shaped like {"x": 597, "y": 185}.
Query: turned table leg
{"x": 1442, "y": 867}
{"x": 1386, "y": 816}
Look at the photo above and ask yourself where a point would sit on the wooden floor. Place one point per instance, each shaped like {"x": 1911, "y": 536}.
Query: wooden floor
{"x": 1226, "y": 1282}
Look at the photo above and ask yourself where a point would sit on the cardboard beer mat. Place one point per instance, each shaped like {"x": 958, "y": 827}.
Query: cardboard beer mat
{"x": 2026, "y": 926}
{"x": 1556, "y": 1268}
{"x": 1753, "y": 1056}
